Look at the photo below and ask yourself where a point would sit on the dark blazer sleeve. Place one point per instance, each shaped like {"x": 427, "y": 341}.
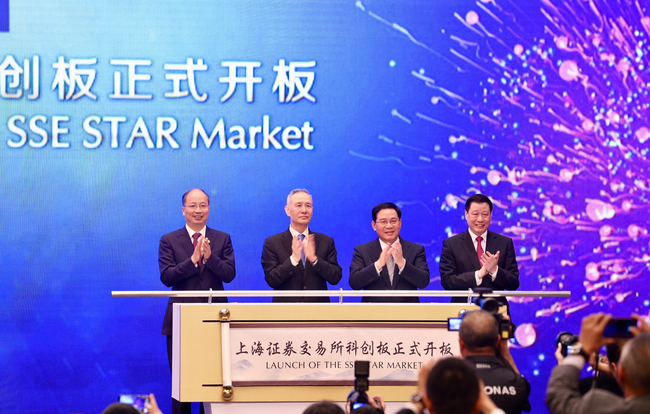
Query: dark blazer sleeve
{"x": 416, "y": 270}
{"x": 221, "y": 264}
{"x": 175, "y": 264}
{"x": 327, "y": 265}
{"x": 508, "y": 273}
{"x": 362, "y": 268}
{"x": 455, "y": 274}
{"x": 562, "y": 393}
{"x": 276, "y": 262}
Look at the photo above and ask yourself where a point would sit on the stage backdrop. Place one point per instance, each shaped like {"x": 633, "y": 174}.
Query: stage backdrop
{"x": 112, "y": 110}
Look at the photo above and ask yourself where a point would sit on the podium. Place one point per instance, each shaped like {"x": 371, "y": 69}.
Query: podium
{"x": 212, "y": 342}
{"x": 282, "y": 357}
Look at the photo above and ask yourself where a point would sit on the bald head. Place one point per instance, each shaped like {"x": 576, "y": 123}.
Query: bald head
{"x": 479, "y": 330}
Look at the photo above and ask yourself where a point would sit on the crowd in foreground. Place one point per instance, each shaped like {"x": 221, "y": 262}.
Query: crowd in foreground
{"x": 458, "y": 385}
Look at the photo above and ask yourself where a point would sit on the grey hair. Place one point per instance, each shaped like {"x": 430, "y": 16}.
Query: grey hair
{"x": 297, "y": 190}
{"x": 635, "y": 360}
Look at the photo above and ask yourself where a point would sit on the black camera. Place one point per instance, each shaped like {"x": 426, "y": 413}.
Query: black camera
{"x": 491, "y": 305}
{"x": 567, "y": 340}
{"x": 358, "y": 397}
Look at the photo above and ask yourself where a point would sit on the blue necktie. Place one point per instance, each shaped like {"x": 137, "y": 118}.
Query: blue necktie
{"x": 302, "y": 256}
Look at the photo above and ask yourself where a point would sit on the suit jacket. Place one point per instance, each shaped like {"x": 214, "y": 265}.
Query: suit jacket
{"x": 363, "y": 274}
{"x": 178, "y": 272}
{"x": 281, "y": 274}
{"x": 563, "y": 396}
{"x": 459, "y": 261}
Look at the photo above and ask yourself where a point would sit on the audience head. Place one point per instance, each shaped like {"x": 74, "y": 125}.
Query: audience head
{"x": 452, "y": 387}
{"x": 119, "y": 408}
{"x": 367, "y": 409}
{"x": 479, "y": 333}
{"x": 614, "y": 355}
{"x": 324, "y": 407}
{"x": 634, "y": 366}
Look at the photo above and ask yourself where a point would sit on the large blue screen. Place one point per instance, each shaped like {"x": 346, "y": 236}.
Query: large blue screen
{"x": 112, "y": 110}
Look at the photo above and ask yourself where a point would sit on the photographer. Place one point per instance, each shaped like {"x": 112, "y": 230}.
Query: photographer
{"x": 563, "y": 395}
{"x": 358, "y": 401}
{"x": 450, "y": 386}
{"x": 482, "y": 346}
{"x": 606, "y": 370}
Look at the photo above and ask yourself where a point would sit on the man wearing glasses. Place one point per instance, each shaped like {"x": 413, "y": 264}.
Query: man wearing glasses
{"x": 389, "y": 262}
{"x": 478, "y": 257}
{"x": 194, "y": 257}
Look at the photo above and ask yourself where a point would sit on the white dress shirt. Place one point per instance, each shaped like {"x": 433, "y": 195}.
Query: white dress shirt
{"x": 484, "y": 246}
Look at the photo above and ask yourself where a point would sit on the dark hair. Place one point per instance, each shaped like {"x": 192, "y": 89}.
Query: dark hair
{"x": 453, "y": 386}
{"x": 187, "y": 192}
{"x": 384, "y": 206}
{"x": 479, "y": 199}
{"x": 614, "y": 350}
{"x": 479, "y": 329}
{"x": 120, "y": 408}
{"x": 367, "y": 409}
{"x": 635, "y": 361}
{"x": 324, "y": 407}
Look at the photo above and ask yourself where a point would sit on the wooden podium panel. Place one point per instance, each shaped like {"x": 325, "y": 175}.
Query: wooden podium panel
{"x": 197, "y": 349}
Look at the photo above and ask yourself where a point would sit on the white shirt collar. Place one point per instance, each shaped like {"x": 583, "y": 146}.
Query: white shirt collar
{"x": 383, "y": 244}
{"x": 474, "y": 236}
{"x": 295, "y": 233}
{"x": 191, "y": 232}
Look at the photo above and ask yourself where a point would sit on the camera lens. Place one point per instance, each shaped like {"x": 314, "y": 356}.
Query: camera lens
{"x": 490, "y": 305}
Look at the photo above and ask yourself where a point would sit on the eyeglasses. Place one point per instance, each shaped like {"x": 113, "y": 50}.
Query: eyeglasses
{"x": 195, "y": 206}
{"x": 384, "y": 223}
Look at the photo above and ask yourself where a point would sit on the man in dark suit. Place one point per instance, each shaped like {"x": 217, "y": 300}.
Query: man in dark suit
{"x": 194, "y": 257}
{"x": 299, "y": 259}
{"x": 478, "y": 257}
{"x": 389, "y": 262}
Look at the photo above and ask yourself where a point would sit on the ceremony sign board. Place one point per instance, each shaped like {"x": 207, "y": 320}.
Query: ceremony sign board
{"x": 304, "y": 352}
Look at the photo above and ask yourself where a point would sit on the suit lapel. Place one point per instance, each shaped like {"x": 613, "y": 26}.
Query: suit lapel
{"x": 185, "y": 241}
{"x": 468, "y": 246}
{"x": 287, "y": 240}
{"x": 375, "y": 251}
{"x": 396, "y": 274}
{"x": 316, "y": 244}
{"x": 491, "y": 243}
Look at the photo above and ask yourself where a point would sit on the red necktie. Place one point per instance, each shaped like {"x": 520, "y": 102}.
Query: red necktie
{"x": 196, "y": 236}
{"x": 479, "y": 249}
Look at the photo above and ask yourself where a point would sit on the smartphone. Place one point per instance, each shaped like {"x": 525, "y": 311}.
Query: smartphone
{"x": 619, "y": 328}
{"x": 137, "y": 401}
{"x": 453, "y": 324}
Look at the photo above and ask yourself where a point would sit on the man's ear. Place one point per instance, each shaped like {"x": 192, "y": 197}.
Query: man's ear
{"x": 463, "y": 347}
{"x": 286, "y": 210}
{"x": 621, "y": 373}
{"x": 614, "y": 369}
